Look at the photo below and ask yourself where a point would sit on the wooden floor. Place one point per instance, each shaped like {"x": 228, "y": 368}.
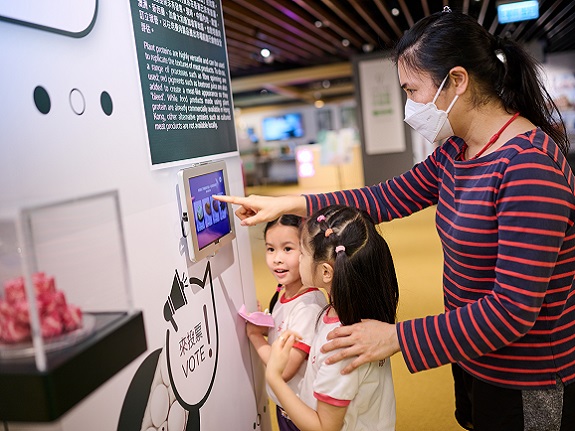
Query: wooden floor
{"x": 424, "y": 400}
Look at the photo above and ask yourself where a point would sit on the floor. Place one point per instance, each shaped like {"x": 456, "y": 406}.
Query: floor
{"x": 424, "y": 400}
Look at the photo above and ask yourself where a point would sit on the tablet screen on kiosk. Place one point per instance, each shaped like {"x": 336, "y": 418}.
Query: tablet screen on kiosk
{"x": 211, "y": 223}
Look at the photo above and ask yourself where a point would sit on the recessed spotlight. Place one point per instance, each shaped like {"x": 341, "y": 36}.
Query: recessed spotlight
{"x": 318, "y": 24}
{"x": 367, "y": 47}
{"x": 325, "y": 83}
{"x": 319, "y": 103}
{"x": 265, "y": 53}
{"x": 395, "y": 11}
{"x": 345, "y": 42}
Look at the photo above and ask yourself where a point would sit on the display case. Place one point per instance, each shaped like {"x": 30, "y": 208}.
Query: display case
{"x": 67, "y": 319}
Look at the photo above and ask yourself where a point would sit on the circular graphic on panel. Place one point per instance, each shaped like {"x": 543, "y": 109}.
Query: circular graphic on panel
{"x": 42, "y": 100}
{"x": 106, "y": 103}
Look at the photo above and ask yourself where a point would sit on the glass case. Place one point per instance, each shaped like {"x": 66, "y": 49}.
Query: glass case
{"x": 65, "y": 301}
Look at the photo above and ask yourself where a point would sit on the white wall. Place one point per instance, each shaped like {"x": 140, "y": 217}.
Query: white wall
{"x": 46, "y": 158}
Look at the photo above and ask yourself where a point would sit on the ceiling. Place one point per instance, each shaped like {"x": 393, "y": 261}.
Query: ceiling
{"x": 312, "y": 41}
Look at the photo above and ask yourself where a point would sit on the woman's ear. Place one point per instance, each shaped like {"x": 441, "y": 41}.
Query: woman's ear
{"x": 459, "y": 79}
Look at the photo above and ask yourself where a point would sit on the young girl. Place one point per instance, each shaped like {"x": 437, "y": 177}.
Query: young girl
{"x": 296, "y": 309}
{"x": 342, "y": 252}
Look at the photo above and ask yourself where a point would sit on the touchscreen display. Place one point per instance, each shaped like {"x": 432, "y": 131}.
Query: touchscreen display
{"x": 211, "y": 216}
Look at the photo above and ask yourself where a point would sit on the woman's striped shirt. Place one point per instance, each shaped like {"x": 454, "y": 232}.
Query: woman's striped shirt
{"x": 506, "y": 223}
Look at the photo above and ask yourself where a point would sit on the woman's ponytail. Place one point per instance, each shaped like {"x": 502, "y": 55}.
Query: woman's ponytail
{"x": 521, "y": 90}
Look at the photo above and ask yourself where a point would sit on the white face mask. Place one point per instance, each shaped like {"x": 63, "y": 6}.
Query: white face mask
{"x": 429, "y": 121}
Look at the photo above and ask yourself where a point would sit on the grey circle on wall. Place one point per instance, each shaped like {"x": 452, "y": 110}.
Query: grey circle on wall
{"x": 77, "y": 101}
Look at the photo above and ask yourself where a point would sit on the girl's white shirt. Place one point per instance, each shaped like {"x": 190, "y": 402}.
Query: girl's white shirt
{"x": 300, "y": 315}
{"x": 367, "y": 391}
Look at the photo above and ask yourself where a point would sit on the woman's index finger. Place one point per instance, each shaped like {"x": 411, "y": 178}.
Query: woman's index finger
{"x": 229, "y": 199}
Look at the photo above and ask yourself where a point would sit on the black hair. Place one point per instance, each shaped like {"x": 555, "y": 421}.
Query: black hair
{"x": 364, "y": 284}
{"x": 284, "y": 220}
{"x": 500, "y": 67}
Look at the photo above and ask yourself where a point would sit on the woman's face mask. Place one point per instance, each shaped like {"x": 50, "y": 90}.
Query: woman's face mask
{"x": 429, "y": 121}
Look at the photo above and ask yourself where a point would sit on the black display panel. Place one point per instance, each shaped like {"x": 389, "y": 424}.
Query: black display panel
{"x": 182, "y": 59}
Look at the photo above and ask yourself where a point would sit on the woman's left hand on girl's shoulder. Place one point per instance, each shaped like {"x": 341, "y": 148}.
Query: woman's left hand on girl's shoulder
{"x": 369, "y": 340}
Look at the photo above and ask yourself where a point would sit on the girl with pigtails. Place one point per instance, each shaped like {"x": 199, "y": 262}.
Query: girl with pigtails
{"x": 342, "y": 252}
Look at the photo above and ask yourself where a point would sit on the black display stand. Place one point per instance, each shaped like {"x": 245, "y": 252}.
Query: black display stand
{"x": 29, "y": 395}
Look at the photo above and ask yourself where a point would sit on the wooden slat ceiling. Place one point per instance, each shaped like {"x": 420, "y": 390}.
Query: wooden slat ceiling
{"x": 312, "y": 41}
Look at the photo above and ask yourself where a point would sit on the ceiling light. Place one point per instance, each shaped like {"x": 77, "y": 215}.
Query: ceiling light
{"x": 319, "y": 103}
{"x": 318, "y": 24}
{"x": 367, "y": 47}
{"x": 395, "y": 11}
{"x": 265, "y": 53}
{"x": 325, "y": 83}
{"x": 345, "y": 42}
{"x": 513, "y": 11}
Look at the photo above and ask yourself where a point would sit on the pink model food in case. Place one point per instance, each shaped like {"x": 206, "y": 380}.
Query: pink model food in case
{"x": 56, "y": 315}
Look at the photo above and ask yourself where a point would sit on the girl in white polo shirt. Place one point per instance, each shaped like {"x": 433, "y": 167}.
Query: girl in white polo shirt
{"x": 296, "y": 309}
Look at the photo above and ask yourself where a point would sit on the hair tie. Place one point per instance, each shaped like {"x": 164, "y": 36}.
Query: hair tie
{"x": 339, "y": 248}
{"x": 500, "y": 56}
{"x": 320, "y": 218}
{"x": 328, "y": 232}
{"x": 279, "y": 288}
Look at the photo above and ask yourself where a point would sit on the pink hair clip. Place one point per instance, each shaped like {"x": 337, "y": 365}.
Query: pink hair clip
{"x": 320, "y": 218}
{"x": 328, "y": 232}
{"x": 339, "y": 248}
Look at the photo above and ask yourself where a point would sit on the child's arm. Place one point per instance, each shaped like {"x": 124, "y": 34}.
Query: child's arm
{"x": 326, "y": 418}
{"x": 256, "y": 334}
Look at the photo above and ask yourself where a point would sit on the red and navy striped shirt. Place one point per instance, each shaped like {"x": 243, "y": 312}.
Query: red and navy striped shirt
{"x": 506, "y": 223}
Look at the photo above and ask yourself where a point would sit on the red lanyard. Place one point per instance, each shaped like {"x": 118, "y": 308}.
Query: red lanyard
{"x": 491, "y": 141}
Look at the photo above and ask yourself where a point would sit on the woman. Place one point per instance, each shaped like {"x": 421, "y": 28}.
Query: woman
{"x": 506, "y": 218}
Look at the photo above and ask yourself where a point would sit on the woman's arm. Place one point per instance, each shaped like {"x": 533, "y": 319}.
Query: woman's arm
{"x": 326, "y": 418}
{"x": 256, "y": 209}
{"x": 534, "y": 207}
{"x": 403, "y": 195}
{"x": 398, "y": 197}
